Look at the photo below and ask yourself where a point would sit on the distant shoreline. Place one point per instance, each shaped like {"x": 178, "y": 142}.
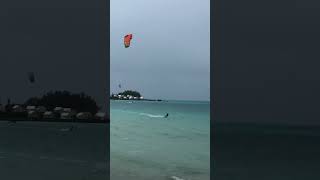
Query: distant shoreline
{"x": 161, "y": 100}
{"x": 136, "y": 99}
{"x": 12, "y": 118}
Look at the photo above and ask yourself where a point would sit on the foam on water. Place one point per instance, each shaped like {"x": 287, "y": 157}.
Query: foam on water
{"x": 176, "y": 178}
{"x": 152, "y": 115}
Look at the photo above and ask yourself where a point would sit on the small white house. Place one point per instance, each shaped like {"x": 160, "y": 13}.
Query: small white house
{"x": 65, "y": 115}
{"x": 100, "y": 116}
{"x": 48, "y": 115}
{"x": 84, "y": 115}
{"x": 141, "y": 97}
{"x": 41, "y": 109}
{"x": 66, "y": 109}
{"x": 17, "y": 108}
{"x": 58, "y": 109}
{"x": 31, "y": 108}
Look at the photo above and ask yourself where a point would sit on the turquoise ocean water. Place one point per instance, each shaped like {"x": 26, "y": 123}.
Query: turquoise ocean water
{"x": 144, "y": 145}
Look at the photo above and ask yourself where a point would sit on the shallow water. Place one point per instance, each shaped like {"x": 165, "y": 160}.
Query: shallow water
{"x": 145, "y": 145}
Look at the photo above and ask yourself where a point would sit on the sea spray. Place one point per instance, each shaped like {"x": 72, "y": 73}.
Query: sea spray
{"x": 152, "y": 115}
{"x": 175, "y": 178}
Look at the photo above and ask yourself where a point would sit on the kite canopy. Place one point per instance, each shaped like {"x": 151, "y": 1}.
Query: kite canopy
{"x": 31, "y": 77}
{"x": 127, "y": 39}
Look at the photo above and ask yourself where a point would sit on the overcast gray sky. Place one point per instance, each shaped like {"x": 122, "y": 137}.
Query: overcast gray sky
{"x": 60, "y": 41}
{"x": 169, "y": 56}
{"x": 267, "y": 68}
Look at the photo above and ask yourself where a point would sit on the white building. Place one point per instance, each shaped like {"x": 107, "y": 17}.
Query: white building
{"x": 66, "y": 115}
{"x": 58, "y": 109}
{"x": 18, "y": 108}
{"x": 84, "y": 115}
{"x": 100, "y": 116}
{"x": 66, "y": 109}
{"x": 41, "y": 109}
{"x": 31, "y": 108}
{"x": 48, "y": 115}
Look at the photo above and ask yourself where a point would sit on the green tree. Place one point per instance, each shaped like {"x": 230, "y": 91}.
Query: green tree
{"x": 130, "y": 93}
{"x": 80, "y": 102}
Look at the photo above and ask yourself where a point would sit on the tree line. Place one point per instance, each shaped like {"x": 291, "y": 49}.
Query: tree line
{"x": 77, "y": 101}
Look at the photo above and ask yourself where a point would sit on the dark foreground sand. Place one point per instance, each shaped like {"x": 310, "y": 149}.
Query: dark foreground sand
{"x": 40, "y": 150}
{"x": 266, "y": 153}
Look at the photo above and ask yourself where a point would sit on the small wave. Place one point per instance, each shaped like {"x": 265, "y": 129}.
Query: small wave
{"x": 152, "y": 115}
{"x": 65, "y": 129}
{"x": 175, "y": 178}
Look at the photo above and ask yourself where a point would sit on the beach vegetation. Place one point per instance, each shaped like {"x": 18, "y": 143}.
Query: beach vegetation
{"x": 77, "y": 101}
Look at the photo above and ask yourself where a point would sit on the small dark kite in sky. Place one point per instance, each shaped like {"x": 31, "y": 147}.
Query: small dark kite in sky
{"x": 31, "y": 77}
